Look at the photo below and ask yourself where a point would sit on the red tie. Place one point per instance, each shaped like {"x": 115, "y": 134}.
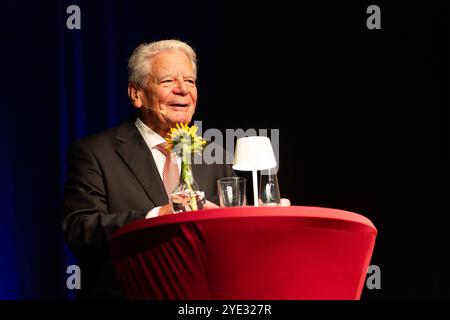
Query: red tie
{"x": 171, "y": 176}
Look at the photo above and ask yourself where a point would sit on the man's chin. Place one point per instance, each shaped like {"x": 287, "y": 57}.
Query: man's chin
{"x": 184, "y": 118}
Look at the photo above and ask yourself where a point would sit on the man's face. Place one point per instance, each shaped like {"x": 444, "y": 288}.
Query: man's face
{"x": 171, "y": 90}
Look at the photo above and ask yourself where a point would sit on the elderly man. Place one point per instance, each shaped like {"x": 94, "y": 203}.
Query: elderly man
{"x": 118, "y": 176}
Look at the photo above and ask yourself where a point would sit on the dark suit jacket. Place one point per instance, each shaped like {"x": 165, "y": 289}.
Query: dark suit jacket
{"x": 113, "y": 180}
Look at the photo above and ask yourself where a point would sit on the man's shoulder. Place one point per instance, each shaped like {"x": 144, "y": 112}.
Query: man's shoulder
{"x": 102, "y": 137}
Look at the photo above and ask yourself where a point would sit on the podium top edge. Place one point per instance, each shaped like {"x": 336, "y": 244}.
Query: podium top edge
{"x": 302, "y": 212}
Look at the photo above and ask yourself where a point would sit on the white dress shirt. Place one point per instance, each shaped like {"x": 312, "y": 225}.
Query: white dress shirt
{"x": 153, "y": 139}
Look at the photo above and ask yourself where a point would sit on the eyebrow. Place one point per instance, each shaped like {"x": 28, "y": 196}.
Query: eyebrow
{"x": 170, "y": 76}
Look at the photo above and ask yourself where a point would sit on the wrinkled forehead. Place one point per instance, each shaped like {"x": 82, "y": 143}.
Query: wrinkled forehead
{"x": 172, "y": 63}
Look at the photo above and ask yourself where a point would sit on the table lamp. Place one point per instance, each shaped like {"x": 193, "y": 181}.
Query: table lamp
{"x": 253, "y": 154}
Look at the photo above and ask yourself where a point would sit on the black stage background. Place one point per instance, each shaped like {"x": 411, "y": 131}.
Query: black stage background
{"x": 363, "y": 116}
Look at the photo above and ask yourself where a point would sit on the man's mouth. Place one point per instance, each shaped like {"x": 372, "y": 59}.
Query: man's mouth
{"x": 179, "y": 105}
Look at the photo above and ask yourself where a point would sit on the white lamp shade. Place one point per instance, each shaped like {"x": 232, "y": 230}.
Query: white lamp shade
{"x": 254, "y": 153}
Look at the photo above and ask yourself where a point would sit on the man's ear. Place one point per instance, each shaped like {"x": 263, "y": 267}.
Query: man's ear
{"x": 134, "y": 93}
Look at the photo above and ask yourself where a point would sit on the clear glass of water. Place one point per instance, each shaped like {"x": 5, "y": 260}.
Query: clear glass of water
{"x": 269, "y": 191}
{"x": 232, "y": 192}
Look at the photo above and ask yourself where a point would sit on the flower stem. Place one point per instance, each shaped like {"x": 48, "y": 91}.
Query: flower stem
{"x": 186, "y": 175}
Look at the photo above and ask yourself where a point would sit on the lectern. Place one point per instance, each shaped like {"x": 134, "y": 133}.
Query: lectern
{"x": 249, "y": 253}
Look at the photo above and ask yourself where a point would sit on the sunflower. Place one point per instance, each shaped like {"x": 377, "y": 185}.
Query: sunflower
{"x": 183, "y": 140}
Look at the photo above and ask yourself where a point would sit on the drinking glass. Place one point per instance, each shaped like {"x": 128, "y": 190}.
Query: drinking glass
{"x": 232, "y": 191}
{"x": 269, "y": 191}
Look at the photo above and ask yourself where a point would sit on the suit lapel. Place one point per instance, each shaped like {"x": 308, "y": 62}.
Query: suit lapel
{"x": 135, "y": 153}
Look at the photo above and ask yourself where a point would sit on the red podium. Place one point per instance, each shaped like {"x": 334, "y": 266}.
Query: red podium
{"x": 265, "y": 253}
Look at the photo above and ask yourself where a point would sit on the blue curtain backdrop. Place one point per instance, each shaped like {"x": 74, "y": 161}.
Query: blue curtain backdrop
{"x": 363, "y": 116}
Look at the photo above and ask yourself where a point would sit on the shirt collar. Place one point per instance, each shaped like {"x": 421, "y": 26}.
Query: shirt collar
{"x": 151, "y": 137}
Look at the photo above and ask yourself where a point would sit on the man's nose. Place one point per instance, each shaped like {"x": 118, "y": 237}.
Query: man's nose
{"x": 181, "y": 87}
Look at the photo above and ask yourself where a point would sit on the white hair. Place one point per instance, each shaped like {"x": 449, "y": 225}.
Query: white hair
{"x": 139, "y": 66}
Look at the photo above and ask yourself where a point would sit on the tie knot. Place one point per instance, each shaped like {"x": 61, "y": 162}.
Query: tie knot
{"x": 163, "y": 148}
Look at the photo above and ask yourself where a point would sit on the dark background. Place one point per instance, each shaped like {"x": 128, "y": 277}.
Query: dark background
{"x": 363, "y": 116}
